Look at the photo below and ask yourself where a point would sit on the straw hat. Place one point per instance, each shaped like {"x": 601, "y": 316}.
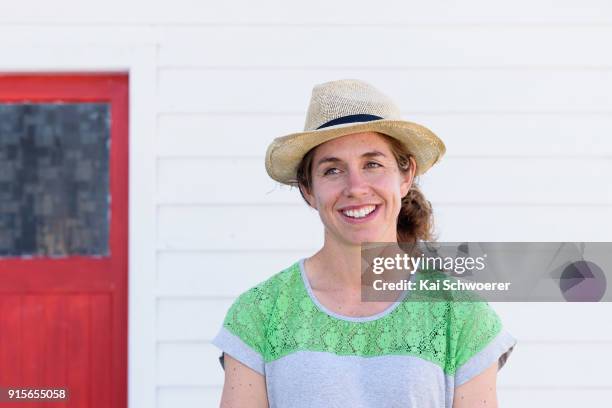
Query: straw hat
{"x": 340, "y": 108}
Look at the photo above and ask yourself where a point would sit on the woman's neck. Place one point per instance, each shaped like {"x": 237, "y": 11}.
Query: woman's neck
{"x": 335, "y": 276}
{"x": 337, "y": 267}
{"x": 334, "y": 271}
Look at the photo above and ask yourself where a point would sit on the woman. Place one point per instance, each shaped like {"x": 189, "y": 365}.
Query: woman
{"x": 304, "y": 338}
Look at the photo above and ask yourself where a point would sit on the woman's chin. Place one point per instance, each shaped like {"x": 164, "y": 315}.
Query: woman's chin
{"x": 356, "y": 237}
{"x": 359, "y": 239}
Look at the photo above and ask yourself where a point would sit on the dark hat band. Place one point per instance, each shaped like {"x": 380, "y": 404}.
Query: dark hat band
{"x": 350, "y": 119}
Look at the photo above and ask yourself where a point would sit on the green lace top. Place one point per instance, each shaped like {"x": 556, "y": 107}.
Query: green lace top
{"x": 280, "y": 319}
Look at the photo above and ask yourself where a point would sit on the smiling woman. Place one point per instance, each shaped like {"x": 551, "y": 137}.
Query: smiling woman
{"x": 304, "y": 337}
{"x": 415, "y": 220}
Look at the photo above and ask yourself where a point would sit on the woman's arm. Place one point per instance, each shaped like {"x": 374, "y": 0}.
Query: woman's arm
{"x": 244, "y": 387}
{"x": 478, "y": 392}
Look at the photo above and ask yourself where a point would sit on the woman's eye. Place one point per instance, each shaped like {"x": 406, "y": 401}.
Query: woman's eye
{"x": 373, "y": 165}
{"x": 333, "y": 170}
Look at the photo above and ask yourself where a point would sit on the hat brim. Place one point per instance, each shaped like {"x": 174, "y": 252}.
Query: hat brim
{"x": 285, "y": 153}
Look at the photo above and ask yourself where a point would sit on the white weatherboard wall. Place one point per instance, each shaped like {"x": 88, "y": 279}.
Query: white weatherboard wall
{"x": 519, "y": 91}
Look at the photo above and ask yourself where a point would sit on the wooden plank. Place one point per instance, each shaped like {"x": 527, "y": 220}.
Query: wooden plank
{"x": 210, "y": 135}
{"x": 314, "y": 12}
{"x": 176, "y": 184}
{"x": 526, "y": 135}
{"x": 238, "y": 227}
{"x": 32, "y": 348}
{"x": 299, "y": 228}
{"x": 188, "y": 397}
{"x": 420, "y": 89}
{"x": 78, "y": 364}
{"x": 56, "y": 348}
{"x": 483, "y": 180}
{"x": 101, "y": 351}
{"x": 558, "y": 397}
{"x": 188, "y": 364}
{"x": 566, "y": 323}
{"x": 473, "y": 134}
{"x": 41, "y": 37}
{"x": 422, "y": 45}
{"x": 11, "y": 330}
{"x": 218, "y": 274}
{"x": 557, "y": 365}
{"x": 190, "y": 319}
{"x": 508, "y": 223}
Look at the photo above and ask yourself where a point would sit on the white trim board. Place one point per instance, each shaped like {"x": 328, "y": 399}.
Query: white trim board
{"x": 139, "y": 61}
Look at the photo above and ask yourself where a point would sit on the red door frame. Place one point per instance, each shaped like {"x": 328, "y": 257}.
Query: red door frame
{"x": 83, "y": 274}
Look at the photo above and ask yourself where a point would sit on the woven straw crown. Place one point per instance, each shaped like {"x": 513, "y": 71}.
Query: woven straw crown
{"x": 343, "y": 107}
{"x": 342, "y": 98}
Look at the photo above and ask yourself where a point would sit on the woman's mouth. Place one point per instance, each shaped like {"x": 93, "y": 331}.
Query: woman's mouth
{"x": 359, "y": 214}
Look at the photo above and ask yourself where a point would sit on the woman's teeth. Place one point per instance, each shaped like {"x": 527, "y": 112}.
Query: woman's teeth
{"x": 360, "y": 213}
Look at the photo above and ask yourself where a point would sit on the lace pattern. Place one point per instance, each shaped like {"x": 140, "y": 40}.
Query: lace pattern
{"x": 278, "y": 317}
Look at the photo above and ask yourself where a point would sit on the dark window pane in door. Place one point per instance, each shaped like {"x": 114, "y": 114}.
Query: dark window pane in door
{"x": 54, "y": 179}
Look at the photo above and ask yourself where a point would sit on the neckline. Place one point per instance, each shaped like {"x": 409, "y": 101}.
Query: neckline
{"x": 333, "y": 314}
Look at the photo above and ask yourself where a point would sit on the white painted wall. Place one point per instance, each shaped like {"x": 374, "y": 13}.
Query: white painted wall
{"x": 520, "y": 92}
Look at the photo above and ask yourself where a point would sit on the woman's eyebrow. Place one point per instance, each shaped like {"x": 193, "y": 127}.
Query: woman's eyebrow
{"x": 328, "y": 160}
{"x": 374, "y": 153}
{"x": 331, "y": 159}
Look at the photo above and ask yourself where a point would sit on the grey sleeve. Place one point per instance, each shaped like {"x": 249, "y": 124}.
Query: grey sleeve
{"x": 499, "y": 349}
{"x": 231, "y": 344}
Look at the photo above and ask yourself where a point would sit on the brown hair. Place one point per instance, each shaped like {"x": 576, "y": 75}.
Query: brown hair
{"x": 415, "y": 220}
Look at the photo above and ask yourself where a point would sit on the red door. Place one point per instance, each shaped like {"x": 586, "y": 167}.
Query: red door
{"x": 63, "y": 237}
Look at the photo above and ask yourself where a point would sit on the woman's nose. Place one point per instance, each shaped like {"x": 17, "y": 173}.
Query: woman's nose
{"x": 356, "y": 183}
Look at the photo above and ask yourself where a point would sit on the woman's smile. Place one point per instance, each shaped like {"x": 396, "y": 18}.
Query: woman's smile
{"x": 359, "y": 214}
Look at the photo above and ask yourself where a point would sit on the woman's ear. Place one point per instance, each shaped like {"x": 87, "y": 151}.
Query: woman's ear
{"x": 408, "y": 177}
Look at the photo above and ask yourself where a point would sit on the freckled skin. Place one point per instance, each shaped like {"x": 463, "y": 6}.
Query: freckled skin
{"x": 478, "y": 392}
{"x": 236, "y": 392}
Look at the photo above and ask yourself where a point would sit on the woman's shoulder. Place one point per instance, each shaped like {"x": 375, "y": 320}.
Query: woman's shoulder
{"x": 244, "y": 331}
{"x": 264, "y": 294}
{"x": 248, "y": 316}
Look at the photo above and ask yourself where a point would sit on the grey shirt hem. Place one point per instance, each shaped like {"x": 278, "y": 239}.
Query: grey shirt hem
{"x": 239, "y": 350}
{"x": 497, "y": 350}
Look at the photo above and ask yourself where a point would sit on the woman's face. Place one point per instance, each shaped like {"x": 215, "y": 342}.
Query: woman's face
{"x": 357, "y": 188}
